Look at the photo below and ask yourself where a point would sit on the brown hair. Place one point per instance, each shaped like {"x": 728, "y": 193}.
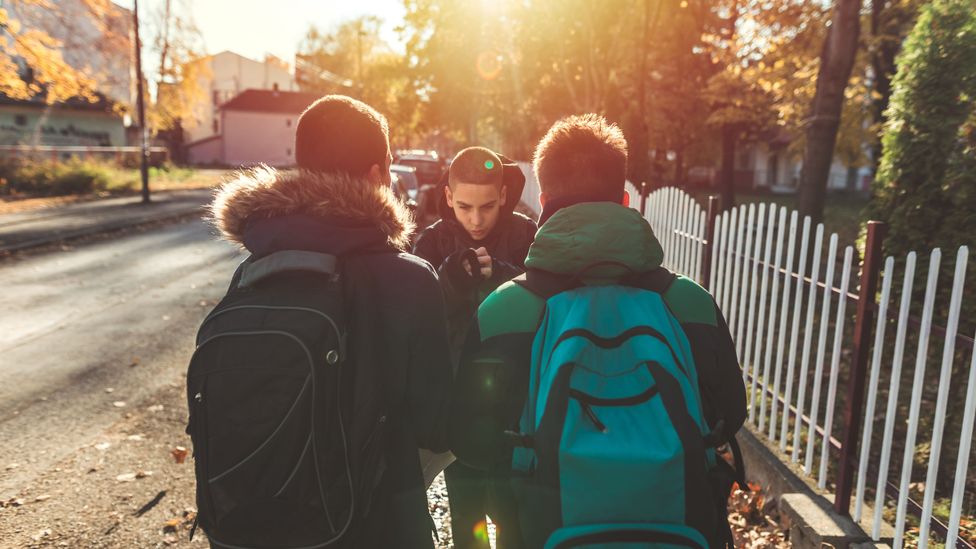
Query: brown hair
{"x": 582, "y": 155}
{"x": 476, "y": 165}
{"x": 339, "y": 134}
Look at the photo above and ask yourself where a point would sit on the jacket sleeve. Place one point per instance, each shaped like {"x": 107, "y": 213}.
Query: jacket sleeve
{"x": 719, "y": 374}
{"x": 429, "y": 368}
{"x": 488, "y": 398}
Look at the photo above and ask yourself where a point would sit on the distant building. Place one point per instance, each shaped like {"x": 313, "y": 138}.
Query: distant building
{"x": 257, "y": 126}
{"x": 226, "y": 76}
{"x": 100, "y": 47}
{"x": 772, "y": 166}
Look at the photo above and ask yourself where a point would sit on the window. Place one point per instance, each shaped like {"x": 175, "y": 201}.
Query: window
{"x": 216, "y": 126}
{"x": 20, "y": 120}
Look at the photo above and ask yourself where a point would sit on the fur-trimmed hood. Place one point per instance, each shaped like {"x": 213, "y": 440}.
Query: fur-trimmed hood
{"x": 264, "y": 193}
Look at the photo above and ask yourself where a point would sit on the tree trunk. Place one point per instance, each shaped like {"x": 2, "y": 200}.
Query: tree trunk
{"x": 679, "y": 167}
{"x": 836, "y": 63}
{"x": 727, "y": 175}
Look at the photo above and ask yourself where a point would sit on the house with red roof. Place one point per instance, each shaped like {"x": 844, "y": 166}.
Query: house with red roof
{"x": 256, "y": 127}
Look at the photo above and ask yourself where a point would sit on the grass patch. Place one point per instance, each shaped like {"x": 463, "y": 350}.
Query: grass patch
{"x": 31, "y": 179}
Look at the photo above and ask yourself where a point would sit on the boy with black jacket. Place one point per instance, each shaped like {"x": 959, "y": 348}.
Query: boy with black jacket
{"x": 479, "y": 243}
{"x": 338, "y": 202}
{"x": 590, "y": 237}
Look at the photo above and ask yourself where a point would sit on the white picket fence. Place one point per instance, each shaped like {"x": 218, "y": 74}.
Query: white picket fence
{"x": 786, "y": 302}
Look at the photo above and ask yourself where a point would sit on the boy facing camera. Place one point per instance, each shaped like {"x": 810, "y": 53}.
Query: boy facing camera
{"x": 479, "y": 243}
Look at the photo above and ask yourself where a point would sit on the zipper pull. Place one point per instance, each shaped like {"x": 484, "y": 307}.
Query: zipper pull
{"x": 588, "y": 412}
{"x": 198, "y": 397}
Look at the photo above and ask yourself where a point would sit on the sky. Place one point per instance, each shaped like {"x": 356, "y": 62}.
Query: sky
{"x": 253, "y": 28}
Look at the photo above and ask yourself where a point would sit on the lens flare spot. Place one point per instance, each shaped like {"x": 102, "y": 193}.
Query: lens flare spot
{"x": 489, "y": 65}
{"x": 489, "y": 164}
{"x": 481, "y": 531}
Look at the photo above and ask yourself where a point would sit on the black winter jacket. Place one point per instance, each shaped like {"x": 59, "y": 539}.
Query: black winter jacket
{"x": 401, "y": 334}
{"x": 444, "y": 243}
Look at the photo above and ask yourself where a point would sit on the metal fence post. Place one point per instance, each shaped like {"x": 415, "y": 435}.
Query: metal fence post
{"x": 709, "y": 246}
{"x": 863, "y": 329}
{"x": 643, "y": 204}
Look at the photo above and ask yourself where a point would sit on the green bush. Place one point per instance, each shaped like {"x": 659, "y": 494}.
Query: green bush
{"x": 47, "y": 178}
{"x": 924, "y": 188}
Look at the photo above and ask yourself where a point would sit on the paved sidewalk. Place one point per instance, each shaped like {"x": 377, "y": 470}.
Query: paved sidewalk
{"x": 20, "y": 231}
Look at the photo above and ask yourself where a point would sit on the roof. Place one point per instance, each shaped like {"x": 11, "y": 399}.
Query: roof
{"x": 101, "y": 103}
{"x": 271, "y": 101}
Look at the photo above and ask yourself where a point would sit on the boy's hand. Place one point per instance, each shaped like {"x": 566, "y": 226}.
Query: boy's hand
{"x": 485, "y": 261}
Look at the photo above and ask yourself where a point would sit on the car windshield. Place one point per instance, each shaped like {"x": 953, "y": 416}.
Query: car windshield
{"x": 428, "y": 171}
{"x": 408, "y": 179}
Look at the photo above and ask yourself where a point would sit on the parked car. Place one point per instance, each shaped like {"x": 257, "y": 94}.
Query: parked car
{"x": 428, "y": 164}
{"x": 429, "y": 168}
{"x": 405, "y": 182}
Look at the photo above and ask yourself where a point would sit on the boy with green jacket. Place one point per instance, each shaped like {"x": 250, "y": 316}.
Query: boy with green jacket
{"x": 586, "y": 232}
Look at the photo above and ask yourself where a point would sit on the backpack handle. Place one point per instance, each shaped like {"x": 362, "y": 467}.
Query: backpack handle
{"x": 287, "y": 261}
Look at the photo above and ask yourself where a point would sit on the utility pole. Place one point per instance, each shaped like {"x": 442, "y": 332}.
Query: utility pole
{"x": 359, "y": 66}
{"x": 141, "y": 107}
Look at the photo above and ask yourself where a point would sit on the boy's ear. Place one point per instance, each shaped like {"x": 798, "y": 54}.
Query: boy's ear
{"x": 504, "y": 195}
{"x": 542, "y": 199}
{"x": 448, "y": 195}
{"x": 626, "y": 199}
{"x": 379, "y": 176}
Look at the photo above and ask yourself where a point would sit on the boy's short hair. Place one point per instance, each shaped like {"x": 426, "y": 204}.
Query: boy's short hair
{"x": 582, "y": 155}
{"x": 476, "y": 165}
{"x": 339, "y": 134}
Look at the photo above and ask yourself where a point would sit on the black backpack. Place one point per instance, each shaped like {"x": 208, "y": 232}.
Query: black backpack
{"x": 283, "y": 459}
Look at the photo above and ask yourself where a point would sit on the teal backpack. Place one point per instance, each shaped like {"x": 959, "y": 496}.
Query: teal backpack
{"x": 613, "y": 449}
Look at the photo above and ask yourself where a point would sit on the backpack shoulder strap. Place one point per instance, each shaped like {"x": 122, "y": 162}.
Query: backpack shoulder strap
{"x": 657, "y": 280}
{"x": 545, "y": 284}
{"x": 286, "y": 261}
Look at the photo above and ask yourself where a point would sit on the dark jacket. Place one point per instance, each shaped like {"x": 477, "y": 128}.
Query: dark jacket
{"x": 399, "y": 334}
{"x": 492, "y": 381}
{"x": 444, "y": 242}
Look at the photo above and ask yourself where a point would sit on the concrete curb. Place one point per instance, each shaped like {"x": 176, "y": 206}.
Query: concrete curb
{"x": 102, "y": 228}
{"x": 809, "y": 514}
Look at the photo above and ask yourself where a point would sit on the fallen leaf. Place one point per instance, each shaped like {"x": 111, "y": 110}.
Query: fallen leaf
{"x": 103, "y": 446}
{"x": 44, "y": 497}
{"x": 119, "y": 404}
{"x": 109, "y": 390}
{"x": 135, "y": 438}
{"x": 134, "y": 362}
{"x": 172, "y": 525}
{"x": 144, "y": 474}
{"x": 126, "y": 477}
{"x": 155, "y": 408}
{"x": 179, "y": 454}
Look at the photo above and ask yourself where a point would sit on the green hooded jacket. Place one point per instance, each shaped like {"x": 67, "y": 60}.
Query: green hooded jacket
{"x": 492, "y": 379}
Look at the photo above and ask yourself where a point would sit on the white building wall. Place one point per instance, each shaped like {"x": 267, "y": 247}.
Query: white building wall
{"x": 30, "y": 125}
{"x": 229, "y": 74}
{"x": 250, "y": 138}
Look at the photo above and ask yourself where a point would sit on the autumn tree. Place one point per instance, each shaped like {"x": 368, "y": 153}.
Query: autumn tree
{"x": 353, "y": 59}
{"x": 179, "y": 76}
{"x": 47, "y": 50}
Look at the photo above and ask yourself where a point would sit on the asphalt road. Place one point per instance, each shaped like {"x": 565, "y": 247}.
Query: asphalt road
{"x": 87, "y": 332}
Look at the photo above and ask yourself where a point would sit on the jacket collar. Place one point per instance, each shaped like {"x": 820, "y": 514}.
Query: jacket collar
{"x": 264, "y": 193}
